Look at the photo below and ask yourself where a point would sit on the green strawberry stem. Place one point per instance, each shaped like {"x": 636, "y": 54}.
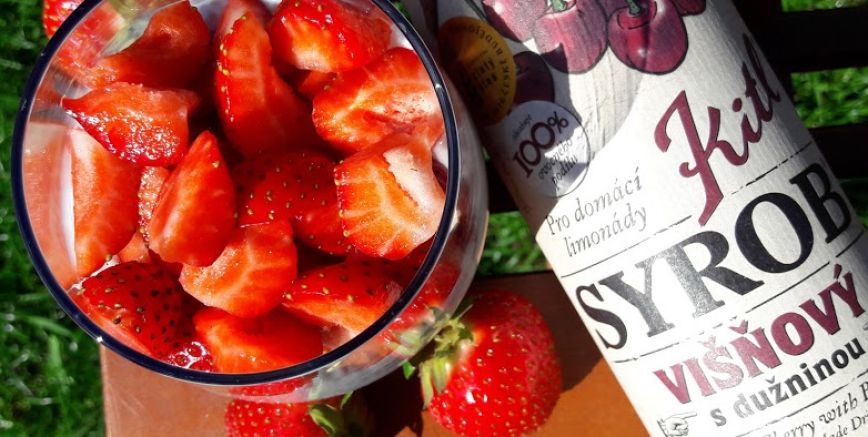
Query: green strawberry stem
{"x": 635, "y": 7}
{"x": 437, "y": 364}
{"x": 349, "y": 419}
{"x": 560, "y": 5}
{"x": 329, "y": 419}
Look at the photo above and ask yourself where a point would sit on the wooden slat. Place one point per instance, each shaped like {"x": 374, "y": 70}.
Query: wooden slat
{"x": 816, "y": 40}
{"x": 845, "y": 148}
{"x": 142, "y": 403}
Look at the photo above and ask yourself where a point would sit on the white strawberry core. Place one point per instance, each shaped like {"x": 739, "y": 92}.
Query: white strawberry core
{"x": 416, "y": 180}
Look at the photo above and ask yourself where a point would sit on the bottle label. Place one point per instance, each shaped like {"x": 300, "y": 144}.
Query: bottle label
{"x": 686, "y": 210}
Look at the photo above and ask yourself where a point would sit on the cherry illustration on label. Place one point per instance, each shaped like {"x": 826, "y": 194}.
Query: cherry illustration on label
{"x": 648, "y": 35}
{"x": 572, "y": 38}
{"x": 533, "y": 79}
{"x": 514, "y": 19}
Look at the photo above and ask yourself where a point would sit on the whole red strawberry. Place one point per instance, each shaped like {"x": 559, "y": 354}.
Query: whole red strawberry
{"x": 332, "y": 417}
{"x": 505, "y": 375}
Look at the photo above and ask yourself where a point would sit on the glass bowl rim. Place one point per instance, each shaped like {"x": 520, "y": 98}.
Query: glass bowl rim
{"x": 323, "y": 361}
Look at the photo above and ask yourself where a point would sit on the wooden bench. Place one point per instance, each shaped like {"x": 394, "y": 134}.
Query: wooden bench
{"x": 139, "y": 403}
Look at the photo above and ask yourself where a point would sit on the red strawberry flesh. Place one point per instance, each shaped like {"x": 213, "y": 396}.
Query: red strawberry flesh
{"x": 249, "y": 278}
{"x": 194, "y": 217}
{"x": 296, "y": 186}
{"x": 171, "y": 52}
{"x": 153, "y": 179}
{"x": 390, "y": 200}
{"x": 352, "y": 294}
{"x": 104, "y": 204}
{"x": 392, "y": 95}
{"x": 142, "y": 125}
{"x": 270, "y": 342}
{"x": 329, "y": 35}
{"x": 259, "y": 112}
{"x": 55, "y": 12}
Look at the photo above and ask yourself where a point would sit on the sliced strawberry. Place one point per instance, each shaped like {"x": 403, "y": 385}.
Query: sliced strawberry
{"x": 270, "y": 342}
{"x": 250, "y": 276}
{"x": 236, "y": 9}
{"x": 296, "y": 186}
{"x": 389, "y": 198}
{"x": 352, "y": 294}
{"x": 104, "y": 203}
{"x": 258, "y": 110}
{"x": 329, "y": 35}
{"x": 391, "y": 95}
{"x": 141, "y": 125}
{"x": 170, "y": 53}
{"x": 139, "y": 304}
{"x": 310, "y": 83}
{"x": 55, "y": 12}
{"x": 136, "y": 250}
{"x": 153, "y": 179}
{"x": 194, "y": 217}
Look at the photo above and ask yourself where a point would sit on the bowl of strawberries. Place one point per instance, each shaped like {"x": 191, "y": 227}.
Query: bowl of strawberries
{"x": 275, "y": 199}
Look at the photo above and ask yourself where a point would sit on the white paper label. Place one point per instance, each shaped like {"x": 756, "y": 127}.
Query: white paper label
{"x": 685, "y": 208}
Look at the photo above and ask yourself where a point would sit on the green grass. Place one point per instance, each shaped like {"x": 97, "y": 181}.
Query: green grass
{"x": 49, "y": 370}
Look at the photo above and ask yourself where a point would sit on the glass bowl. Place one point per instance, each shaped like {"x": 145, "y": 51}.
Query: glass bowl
{"x": 43, "y": 202}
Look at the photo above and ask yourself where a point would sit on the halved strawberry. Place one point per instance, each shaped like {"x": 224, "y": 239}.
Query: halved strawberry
{"x": 270, "y": 342}
{"x": 236, "y": 9}
{"x": 329, "y": 35}
{"x": 258, "y": 110}
{"x": 55, "y": 12}
{"x": 296, "y": 186}
{"x": 352, "y": 294}
{"x": 391, "y": 95}
{"x": 250, "y": 276}
{"x": 153, "y": 179}
{"x": 389, "y": 198}
{"x": 194, "y": 217}
{"x": 170, "y": 53}
{"x": 139, "y": 304}
{"x": 104, "y": 203}
{"x": 142, "y": 125}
